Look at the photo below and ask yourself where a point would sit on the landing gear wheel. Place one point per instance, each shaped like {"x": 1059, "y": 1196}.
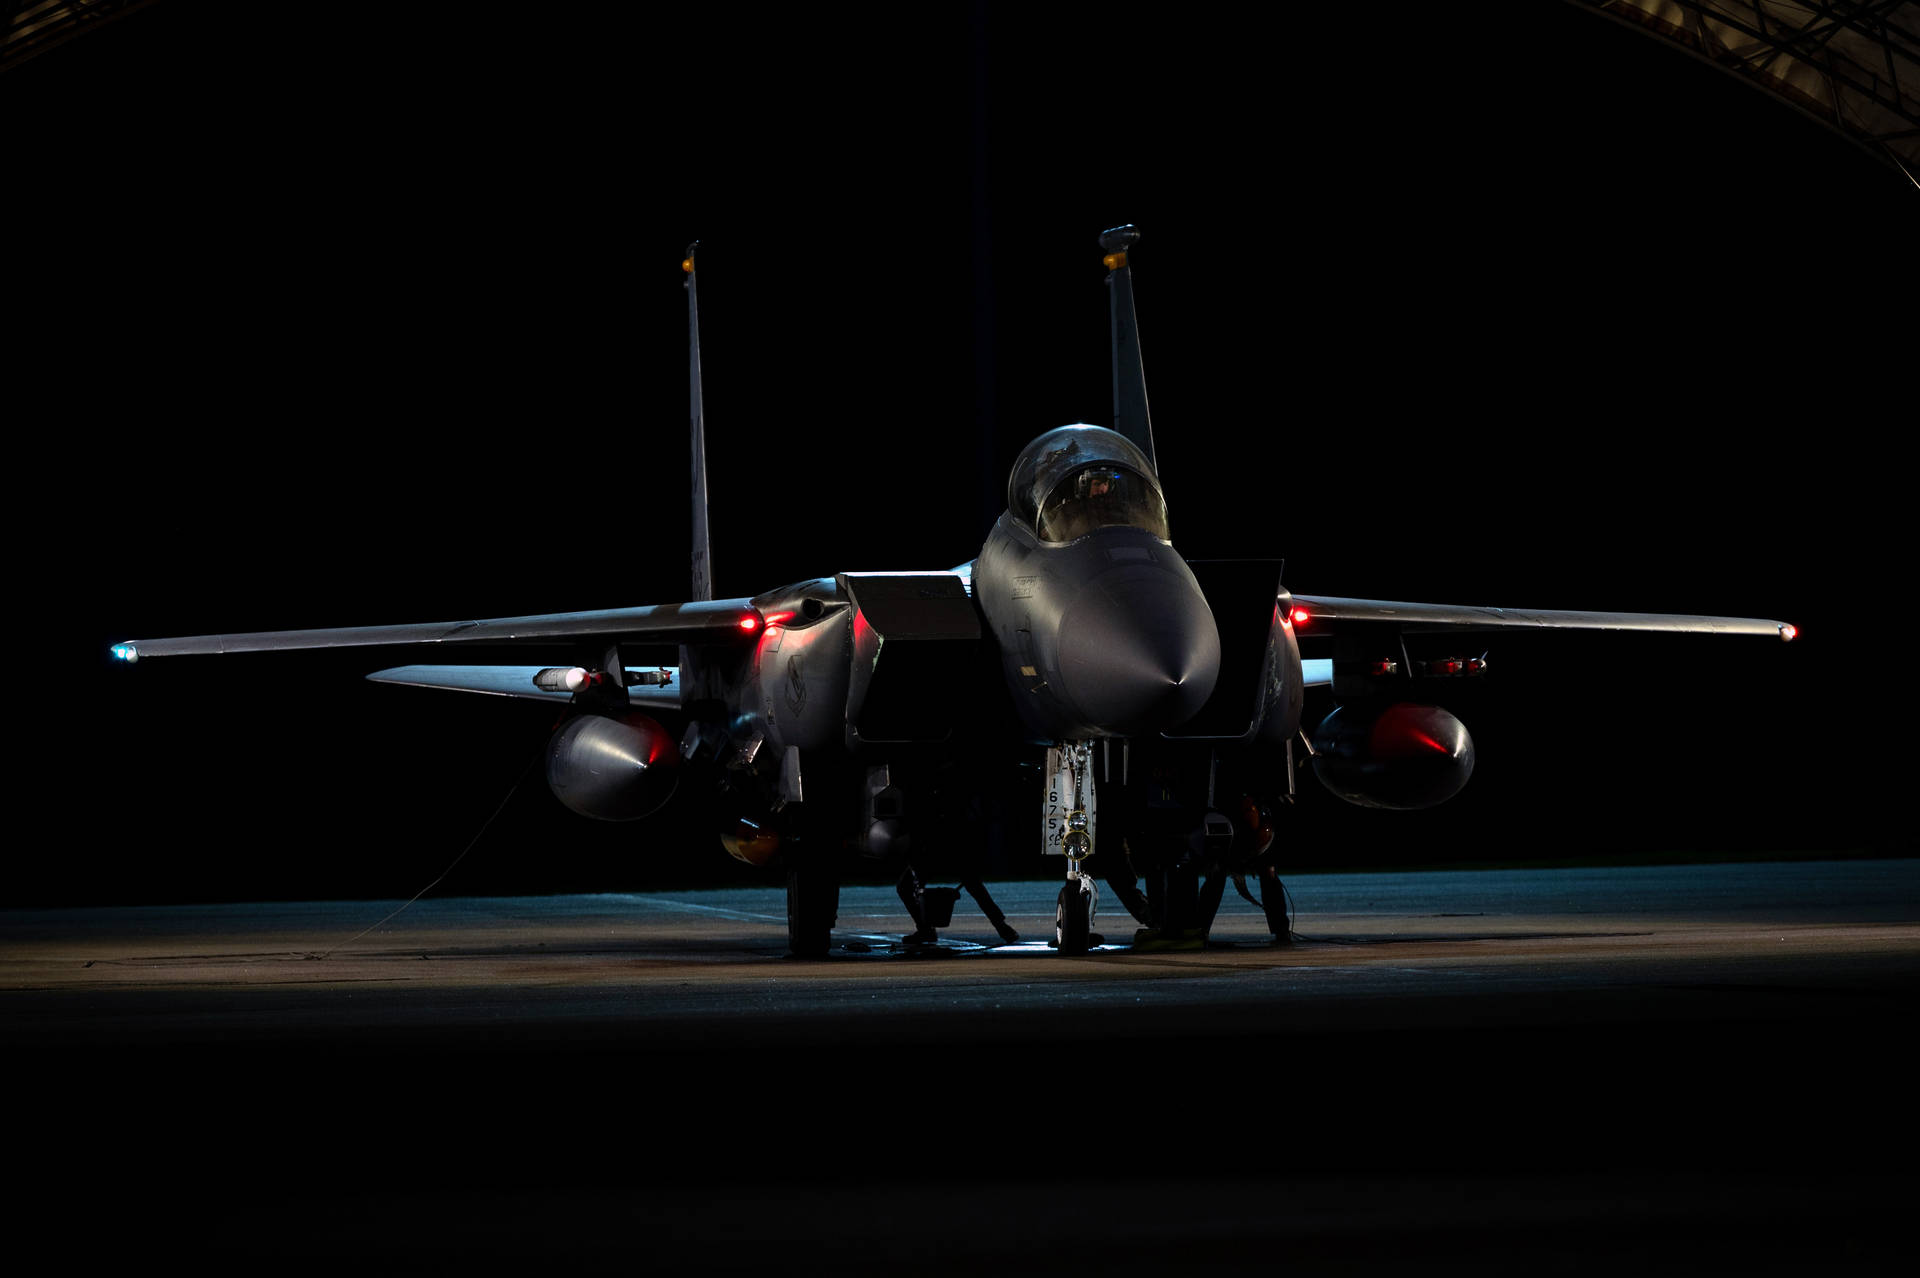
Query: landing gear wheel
{"x": 813, "y": 902}
{"x": 1073, "y": 918}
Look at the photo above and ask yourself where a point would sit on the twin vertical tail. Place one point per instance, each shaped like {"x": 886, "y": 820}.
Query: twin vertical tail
{"x": 702, "y": 566}
{"x": 1129, "y": 378}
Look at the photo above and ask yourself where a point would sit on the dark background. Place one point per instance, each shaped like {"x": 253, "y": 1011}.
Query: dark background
{"x": 327, "y": 318}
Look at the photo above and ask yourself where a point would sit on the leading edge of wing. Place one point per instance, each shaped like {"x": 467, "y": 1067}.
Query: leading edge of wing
{"x": 705, "y": 621}
{"x": 517, "y": 681}
{"x": 1416, "y": 615}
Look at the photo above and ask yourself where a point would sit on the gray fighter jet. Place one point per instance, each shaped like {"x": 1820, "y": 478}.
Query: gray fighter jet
{"x": 841, "y": 715}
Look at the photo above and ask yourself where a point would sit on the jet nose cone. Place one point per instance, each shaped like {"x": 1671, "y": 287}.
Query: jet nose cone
{"x": 1139, "y": 651}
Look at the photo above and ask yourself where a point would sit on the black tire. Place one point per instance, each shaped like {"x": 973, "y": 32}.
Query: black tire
{"x": 1073, "y": 919}
{"x": 813, "y": 905}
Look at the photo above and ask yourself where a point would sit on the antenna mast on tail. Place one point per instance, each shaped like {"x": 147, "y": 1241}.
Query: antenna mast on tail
{"x": 702, "y": 565}
{"x": 1129, "y": 378}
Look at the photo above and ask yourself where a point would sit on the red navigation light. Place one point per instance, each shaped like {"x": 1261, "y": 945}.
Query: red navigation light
{"x": 749, "y": 624}
{"x": 1789, "y": 632}
{"x": 1300, "y": 616}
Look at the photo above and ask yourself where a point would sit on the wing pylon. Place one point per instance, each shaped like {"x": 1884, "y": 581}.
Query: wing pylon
{"x": 656, "y": 688}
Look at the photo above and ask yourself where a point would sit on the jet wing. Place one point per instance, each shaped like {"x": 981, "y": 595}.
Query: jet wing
{"x": 517, "y": 681}
{"x": 706, "y": 621}
{"x": 1419, "y": 617}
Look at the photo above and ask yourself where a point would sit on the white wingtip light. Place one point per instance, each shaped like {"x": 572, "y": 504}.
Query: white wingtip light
{"x": 1788, "y": 632}
{"x": 125, "y": 652}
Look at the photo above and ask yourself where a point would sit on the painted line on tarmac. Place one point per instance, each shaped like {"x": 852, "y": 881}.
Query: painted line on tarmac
{"x": 743, "y": 916}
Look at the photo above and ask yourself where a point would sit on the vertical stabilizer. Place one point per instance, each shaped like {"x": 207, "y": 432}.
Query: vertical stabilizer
{"x": 1129, "y": 378}
{"x": 702, "y": 566}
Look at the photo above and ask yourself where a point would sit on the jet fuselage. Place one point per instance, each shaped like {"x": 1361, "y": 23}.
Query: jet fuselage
{"x": 1100, "y": 631}
{"x": 1105, "y": 636}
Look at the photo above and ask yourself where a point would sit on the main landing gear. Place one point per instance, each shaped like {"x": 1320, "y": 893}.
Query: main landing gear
{"x": 813, "y": 879}
{"x": 1067, "y": 826}
{"x": 813, "y": 902}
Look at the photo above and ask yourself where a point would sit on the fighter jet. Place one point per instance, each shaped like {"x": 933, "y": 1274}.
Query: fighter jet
{"x": 848, "y": 715}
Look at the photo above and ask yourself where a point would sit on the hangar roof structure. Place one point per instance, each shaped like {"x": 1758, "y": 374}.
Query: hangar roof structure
{"x": 1854, "y": 65}
{"x": 34, "y": 26}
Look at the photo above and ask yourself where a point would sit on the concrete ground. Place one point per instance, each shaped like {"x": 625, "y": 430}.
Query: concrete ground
{"x": 1663, "y": 1067}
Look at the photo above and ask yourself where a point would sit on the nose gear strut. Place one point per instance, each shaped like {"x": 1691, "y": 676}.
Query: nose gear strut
{"x": 1068, "y": 821}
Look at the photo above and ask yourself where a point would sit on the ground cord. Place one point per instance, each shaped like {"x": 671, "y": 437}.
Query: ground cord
{"x": 471, "y": 844}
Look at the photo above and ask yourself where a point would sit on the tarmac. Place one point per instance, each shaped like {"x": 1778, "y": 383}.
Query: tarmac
{"x": 1576, "y": 1069}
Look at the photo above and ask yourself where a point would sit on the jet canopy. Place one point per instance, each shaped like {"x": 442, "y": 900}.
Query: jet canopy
{"x": 1078, "y": 479}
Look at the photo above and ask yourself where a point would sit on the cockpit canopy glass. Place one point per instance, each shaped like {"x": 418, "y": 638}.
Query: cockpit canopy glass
{"x": 1076, "y": 479}
{"x": 1102, "y": 495}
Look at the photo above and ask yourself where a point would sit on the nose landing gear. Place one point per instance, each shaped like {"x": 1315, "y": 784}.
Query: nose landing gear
{"x": 1068, "y": 826}
{"x": 1073, "y": 917}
